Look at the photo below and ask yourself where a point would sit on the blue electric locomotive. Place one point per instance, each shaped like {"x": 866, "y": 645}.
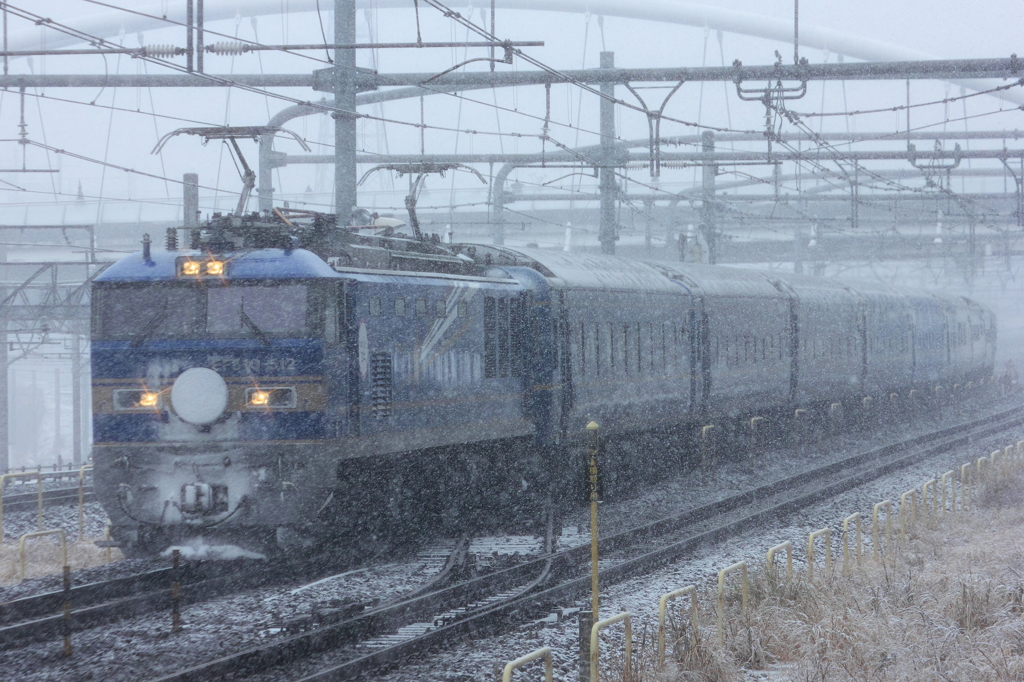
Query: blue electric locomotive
{"x": 281, "y": 383}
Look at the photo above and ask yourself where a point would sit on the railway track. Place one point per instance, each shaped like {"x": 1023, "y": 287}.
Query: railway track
{"x": 29, "y": 501}
{"x": 381, "y": 637}
{"x": 40, "y": 617}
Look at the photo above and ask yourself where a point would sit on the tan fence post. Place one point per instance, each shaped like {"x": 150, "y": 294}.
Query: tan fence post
{"x": 966, "y": 496}
{"x": 835, "y": 419}
{"x": 810, "y": 551}
{"x": 770, "y": 561}
{"x": 39, "y": 485}
{"x": 875, "y": 535}
{"x": 905, "y": 513}
{"x": 952, "y": 488}
{"x": 933, "y": 511}
{"x": 846, "y": 549}
{"x": 800, "y": 427}
{"x": 39, "y": 534}
{"x": 708, "y": 449}
{"x": 742, "y": 567}
{"x": 757, "y": 439}
{"x": 595, "y": 644}
{"x": 545, "y": 653}
{"x": 663, "y": 611}
{"x": 81, "y": 500}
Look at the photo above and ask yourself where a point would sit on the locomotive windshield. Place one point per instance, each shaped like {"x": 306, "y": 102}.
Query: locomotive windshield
{"x": 259, "y": 310}
{"x": 145, "y": 311}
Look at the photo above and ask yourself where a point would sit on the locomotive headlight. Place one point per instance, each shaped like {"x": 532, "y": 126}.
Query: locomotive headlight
{"x": 136, "y": 399}
{"x": 270, "y": 398}
{"x": 215, "y": 267}
{"x": 190, "y": 267}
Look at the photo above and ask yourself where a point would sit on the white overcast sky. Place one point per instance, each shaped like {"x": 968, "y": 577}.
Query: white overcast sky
{"x": 942, "y": 28}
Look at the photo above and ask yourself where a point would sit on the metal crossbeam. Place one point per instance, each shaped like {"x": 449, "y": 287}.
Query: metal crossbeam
{"x": 323, "y": 80}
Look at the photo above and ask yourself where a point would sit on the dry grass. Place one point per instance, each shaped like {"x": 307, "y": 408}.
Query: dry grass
{"x": 43, "y": 557}
{"x": 946, "y": 606}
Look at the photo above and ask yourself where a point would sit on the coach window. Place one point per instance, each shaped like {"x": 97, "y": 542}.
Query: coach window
{"x": 439, "y": 309}
{"x": 399, "y": 307}
{"x": 421, "y": 307}
{"x": 626, "y": 348}
{"x": 375, "y": 306}
{"x": 463, "y": 309}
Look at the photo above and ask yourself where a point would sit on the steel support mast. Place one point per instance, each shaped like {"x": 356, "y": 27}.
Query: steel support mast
{"x": 345, "y": 111}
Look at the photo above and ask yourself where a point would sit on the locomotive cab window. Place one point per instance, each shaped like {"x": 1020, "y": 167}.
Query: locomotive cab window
{"x": 139, "y": 312}
{"x": 256, "y": 310}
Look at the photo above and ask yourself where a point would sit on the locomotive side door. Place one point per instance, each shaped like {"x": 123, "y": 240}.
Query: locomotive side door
{"x": 341, "y": 358}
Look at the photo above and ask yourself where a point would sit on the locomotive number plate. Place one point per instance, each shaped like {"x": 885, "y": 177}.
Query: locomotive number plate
{"x": 223, "y": 364}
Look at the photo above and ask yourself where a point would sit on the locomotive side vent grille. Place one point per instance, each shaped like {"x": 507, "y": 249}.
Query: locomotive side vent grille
{"x": 381, "y": 377}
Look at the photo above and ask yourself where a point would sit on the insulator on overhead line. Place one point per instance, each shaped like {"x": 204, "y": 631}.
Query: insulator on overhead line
{"x": 227, "y": 48}
{"x": 163, "y": 50}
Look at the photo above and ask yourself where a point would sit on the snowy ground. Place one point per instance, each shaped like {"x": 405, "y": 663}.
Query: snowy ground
{"x": 479, "y": 660}
{"x": 123, "y": 650}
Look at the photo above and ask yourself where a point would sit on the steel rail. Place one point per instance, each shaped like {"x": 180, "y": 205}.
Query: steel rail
{"x": 701, "y": 525}
{"x": 28, "y": 501}
{"x": 40, "y": 616}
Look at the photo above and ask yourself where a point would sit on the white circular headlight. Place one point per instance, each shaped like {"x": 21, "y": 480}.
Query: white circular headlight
{"x": 199, "y": 396}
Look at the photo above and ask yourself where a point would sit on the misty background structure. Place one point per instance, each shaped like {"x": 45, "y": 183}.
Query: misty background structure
{"x": 862, "y": 142}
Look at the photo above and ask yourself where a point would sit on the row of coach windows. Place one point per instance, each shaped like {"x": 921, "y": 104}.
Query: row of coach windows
{"x": 832, "y": 348}
{"x": 888, "y": 343}
{"x": 739, "y": 350}
{"x": 504, "y": 329}
{"x": 421, "y": 307}
{"x": 629, "y": 348}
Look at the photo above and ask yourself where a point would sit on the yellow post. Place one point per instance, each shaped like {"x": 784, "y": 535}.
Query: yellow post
{"x": 835, "y": 419}
{"x": 595, "y": 644}
{"x": 930, "y": 483}
{"x": 905, "y": 512}
{"x": 81, "y": 501}
{"x": 810, "y": 551}
{"x": 875, "y": 535}
{"x": 980, "y": 473}
{"x": 952, "y": 489}
{"x": 742, "y": 567}
{"x": 757, "y": 425}
{"x": 800, "y": 426}
{"x": 770, "y": 561}
{"x": 965, "y": 487}
{"x": 39, "y": 534}
{"x": 545, "y": 653}
{"x": 594, "y": 442}
{"x": 663, "y": 612}
{"x": 106, "y": 536}
{"x": 708, "y": 449}
{"x": 846, "y": 533}
{"x": 994, "y": 461}
{"x": 39, "y": 485}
